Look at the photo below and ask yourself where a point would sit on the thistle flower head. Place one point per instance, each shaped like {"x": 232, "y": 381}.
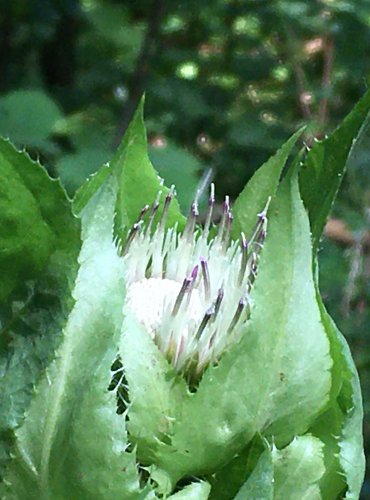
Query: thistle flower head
{"x": 190, "y": 291}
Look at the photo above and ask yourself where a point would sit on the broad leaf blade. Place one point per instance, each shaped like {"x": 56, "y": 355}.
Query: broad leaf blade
{"x": 261, "y": 186}
{"x": 36, "y": 221}
{"x": 53, "y": 446}
{"x": 39, "y": 244}
{"x": 325, "y": 164}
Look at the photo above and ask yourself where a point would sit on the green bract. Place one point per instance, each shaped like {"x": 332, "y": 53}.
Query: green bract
{"x": 99, "y": 402}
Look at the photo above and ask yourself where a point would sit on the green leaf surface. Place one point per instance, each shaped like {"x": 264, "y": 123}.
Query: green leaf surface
{"x": 328, "y": 428}
{"x": 349, "y": 401}
{"x": 278, "y": 377}
{"x": 71, "y": 424}
{"x": 39, "y": 245}
{"x": 229, "y": 480}
{"x": 36, "y": 223}
{"x": 325, "y": 164}
{"x": 156, "y": 394}
{"x": 261, "y": 186}
{"x": 154, "y": 388}
{"x": 138, "y": 182}
{"x": 91, "y": 186}
{"x": 260, "y": 483}
{"x": 298, "y": 469}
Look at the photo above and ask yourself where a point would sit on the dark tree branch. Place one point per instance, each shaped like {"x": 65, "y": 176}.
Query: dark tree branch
{"x": 139, "y": 77}
{"x": 326, "y": 82}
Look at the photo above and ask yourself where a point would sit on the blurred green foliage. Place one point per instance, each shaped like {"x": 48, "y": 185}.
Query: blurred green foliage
{"x": 226, "y": 82}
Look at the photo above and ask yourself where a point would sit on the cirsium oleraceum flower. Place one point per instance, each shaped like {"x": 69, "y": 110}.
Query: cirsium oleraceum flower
{"x": 191, "y": 290}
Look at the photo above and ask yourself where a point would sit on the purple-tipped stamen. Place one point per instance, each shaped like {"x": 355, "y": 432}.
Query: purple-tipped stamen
{"x": 153, "y": 212}
{"x": 208, "y": 315}
{"x": 167, "y": 202}
{"x": 220, "y": 296}
{"x": 131, "y": 236}
{"x": 143, "y": 211}
{"x": 238, "y": 312}
{"x": 244, "y": 244}
{"x": 185, "y": 288}
{"x": 206, "y": 278}
{"x": 193, "y": 277}
{"x": 227, "y": 231}
{"x": 211, "y": 204}
{"x": 223, "y": 223}
{"x": 179, "y": 350}
{"x": 262, "y": 236}
{"x": 190, "y": 223}
{"x": 261, "y": 222}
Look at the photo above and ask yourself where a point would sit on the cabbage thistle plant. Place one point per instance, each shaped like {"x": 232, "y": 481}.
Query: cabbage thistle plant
{"x": 145, "y": 354}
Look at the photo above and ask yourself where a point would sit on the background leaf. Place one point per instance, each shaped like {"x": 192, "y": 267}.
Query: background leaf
{"x": 28, "y": 117}
{"x": 38, "y": 261}
{"x": 325, "y": 164}
{"x": 249, "y": 474}
{"x": 180, "y": 168}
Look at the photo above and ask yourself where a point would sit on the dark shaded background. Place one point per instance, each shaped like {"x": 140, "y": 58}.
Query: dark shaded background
{"x": 226, "y": 83}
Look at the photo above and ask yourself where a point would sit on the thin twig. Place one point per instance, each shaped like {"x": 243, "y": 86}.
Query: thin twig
{"x": 140, "y": 75}
{"x": 326, "y": 82}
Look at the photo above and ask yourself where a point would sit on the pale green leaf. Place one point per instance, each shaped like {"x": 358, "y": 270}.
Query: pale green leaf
{"x": 138, "y": 182}
{"x": 261, "y": 186}
{"x": 328, "y": 428}
{"x": 156, "y": 394}
{"x": 298, "y": 469}
{"x": 260, "y": 483}
{"x": 71, "y": 405}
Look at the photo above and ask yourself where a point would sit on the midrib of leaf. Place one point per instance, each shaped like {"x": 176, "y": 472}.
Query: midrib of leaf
{"x": 97, "y": 289}
{"x": 53, "y": 414}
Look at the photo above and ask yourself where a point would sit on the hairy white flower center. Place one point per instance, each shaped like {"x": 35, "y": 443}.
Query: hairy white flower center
{"x": 151, "y": 299}
{"x": 191, "y": 293}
